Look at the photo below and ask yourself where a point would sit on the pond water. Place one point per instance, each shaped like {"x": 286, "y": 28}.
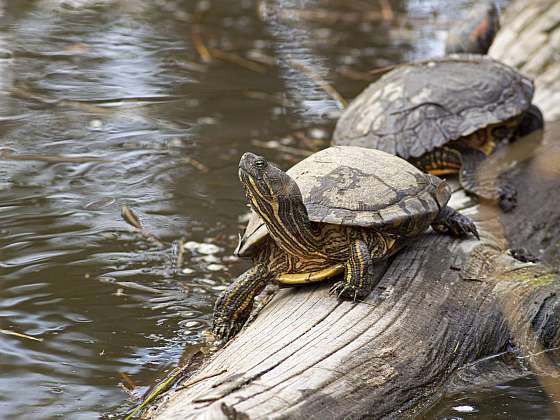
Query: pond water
{"x": 149, "y": 105}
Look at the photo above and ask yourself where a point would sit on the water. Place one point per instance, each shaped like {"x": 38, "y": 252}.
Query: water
{"x": 105, "y": 104}
{"x": 520, "y": 399}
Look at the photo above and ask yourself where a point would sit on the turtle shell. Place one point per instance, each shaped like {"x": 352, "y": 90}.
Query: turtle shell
{"x": 354, "y": 186}
{"x": 421, "y": 106}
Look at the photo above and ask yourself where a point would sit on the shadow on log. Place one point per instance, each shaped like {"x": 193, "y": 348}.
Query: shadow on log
{"x": 446, "y": 314}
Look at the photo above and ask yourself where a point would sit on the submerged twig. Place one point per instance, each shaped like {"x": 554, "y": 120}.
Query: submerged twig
{"x": 7, "y": 154}
{"x": 201, "y": 49}
{"x": 127, "y": 381}
{"x": 22, "y": 92}
{"x": 20, "y": 335}
{"x": 101, "y": 106}
{"x": 130, "y": 218}
{"x": 262, "y": 58}
{"x": 349, "y": 73}
{"x": 180, "y": 254}
{"x": 132, "y": 285}
{"x": 196, "y": 164}
{"x": 386, "y": 10}
{"x": 237, "y": 59}
{"x": 253, "y": 94}
{"x": 329, "y": 90}
{"x": 189, "y": 65}
{"x": 330, "y": 16}
{"x": 133, "y": 220}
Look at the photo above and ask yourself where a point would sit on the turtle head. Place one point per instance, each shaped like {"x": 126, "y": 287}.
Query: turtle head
{"x": 277, "y": 199}
{"x": 476, "y": 34}
{"x": 264, "y": 183}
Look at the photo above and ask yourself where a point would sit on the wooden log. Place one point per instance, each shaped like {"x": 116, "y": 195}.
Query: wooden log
{"x": 530, "y": 41}
{"x": 308, "y": 355}
{"x": 445, "y": 313}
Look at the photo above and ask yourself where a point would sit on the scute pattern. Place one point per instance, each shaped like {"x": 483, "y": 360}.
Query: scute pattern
{"x": 361, "y": 187}
{"x": 421, "y": 106}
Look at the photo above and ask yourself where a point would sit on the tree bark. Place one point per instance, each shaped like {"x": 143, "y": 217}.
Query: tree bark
{"x": 445, "y": 313}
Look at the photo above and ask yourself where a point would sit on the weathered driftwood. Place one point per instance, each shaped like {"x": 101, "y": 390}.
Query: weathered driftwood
{"x": 530, "y": 41}
{"x": 446, "y": 313}
{"x": 308, "y": 355}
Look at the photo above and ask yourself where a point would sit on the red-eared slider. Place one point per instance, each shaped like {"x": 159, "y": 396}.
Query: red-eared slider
{"x": 444, "y": 116}
{"x": 340, "y": 210}
{"x": 476, "y": 33}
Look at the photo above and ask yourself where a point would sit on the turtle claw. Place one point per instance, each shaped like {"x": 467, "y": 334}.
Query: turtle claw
{"x": 507, "y": 198}
{"x": 226, "y": 323}
{"x": 454, "y": 223}
{"x": 461, "y": 225}
{"x": 224, "y": 328}
{"x": 345, "y": 291}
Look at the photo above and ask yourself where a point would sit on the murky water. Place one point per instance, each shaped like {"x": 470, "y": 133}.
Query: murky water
{"x": 521, "y": 399}
{"x": 105, "y": 104}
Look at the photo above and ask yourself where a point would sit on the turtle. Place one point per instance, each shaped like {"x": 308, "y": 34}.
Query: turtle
{"x": 475, "y": 34}
{"x": 342, "y": 209}
{"x": 445, "y": 115}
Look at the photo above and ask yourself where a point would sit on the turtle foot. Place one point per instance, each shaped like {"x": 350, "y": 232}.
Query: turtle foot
{"x": 451, "y": 222}
{"x": 345, "y": 291}
{"x": 224, "y": 328}
{"x": 460, "y": 225}
{"x": 507, "y": 198}
{"x": 531, "y": 121}
{"x": 523, "y": 255}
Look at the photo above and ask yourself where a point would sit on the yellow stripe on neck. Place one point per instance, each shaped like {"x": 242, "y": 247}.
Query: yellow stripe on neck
{"x": 314, "y": 276}
{"x": 447, "y": 171}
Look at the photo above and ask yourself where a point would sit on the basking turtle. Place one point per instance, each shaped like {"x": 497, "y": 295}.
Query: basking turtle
{"x": 445, "y": 116}
{"x": 340, "y": 210}
{"x": 476, "y": 33}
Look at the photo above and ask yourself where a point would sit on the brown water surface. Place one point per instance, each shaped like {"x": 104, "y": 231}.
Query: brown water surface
{"x": 105, "y": 104}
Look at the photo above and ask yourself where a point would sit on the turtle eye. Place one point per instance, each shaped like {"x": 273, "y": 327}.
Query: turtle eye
{"x": 260, "y": 163}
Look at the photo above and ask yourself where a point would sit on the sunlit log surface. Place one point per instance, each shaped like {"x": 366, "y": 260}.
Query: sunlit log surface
{"x": 445, "y": 314}
{"x": 530, "y": 41}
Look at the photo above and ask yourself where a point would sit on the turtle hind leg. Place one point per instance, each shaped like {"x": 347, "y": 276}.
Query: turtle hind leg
{"x": 485, "y": 185}
{"x": 532, "y": 120}
{"x": 233, "y": 306}
{"x": 359, "y": 275}
{"x": 449, "y": 221}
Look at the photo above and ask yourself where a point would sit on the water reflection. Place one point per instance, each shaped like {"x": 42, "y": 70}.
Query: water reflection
{"x": 293, "y": 49}
{"x": 109, "y": 103}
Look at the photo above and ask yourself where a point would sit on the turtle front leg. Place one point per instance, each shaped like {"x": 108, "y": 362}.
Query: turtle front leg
{"x": 483, "y": 185}
{"x": 233, "y": 306}
{"x": 449, "y": 221}
{"x": 358, "y": 274}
